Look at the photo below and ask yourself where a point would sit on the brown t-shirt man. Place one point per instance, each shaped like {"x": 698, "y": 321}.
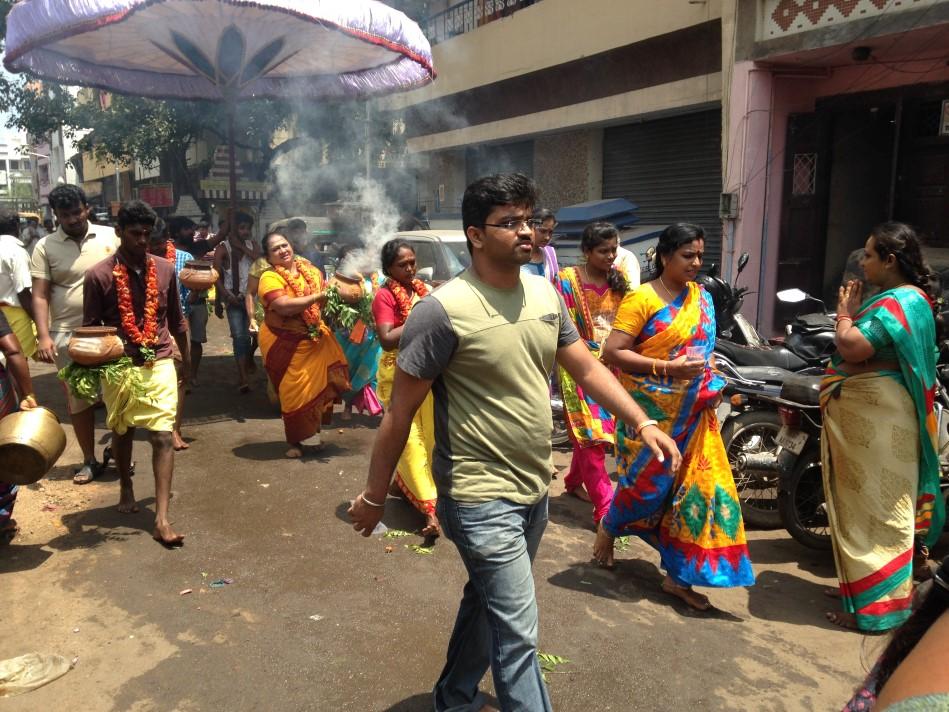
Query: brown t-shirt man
{"x": 101, "y": 303}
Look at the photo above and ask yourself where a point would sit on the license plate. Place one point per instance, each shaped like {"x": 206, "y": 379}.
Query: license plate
{"x": 790, "y": 439}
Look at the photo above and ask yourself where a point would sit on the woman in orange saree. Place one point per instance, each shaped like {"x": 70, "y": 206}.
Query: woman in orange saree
{"x": 301, "y": 355}
{"x": 662, "y": 341}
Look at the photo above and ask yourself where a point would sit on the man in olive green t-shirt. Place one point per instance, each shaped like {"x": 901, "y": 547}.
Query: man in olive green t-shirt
{"x": 58, "y": 266}
{"x": 485, "y": 344}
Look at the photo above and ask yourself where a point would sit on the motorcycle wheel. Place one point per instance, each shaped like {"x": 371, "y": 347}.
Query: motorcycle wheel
{"x": 802, "y": 504}
{"x": 753, "y": 433}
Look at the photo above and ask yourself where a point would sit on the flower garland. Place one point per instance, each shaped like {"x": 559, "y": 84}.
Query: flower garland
{"x": 146, "y": 338}
{"x": 170, "y": 254}
{"x": 310, "y": 279}
{"x": 402, "y": 299}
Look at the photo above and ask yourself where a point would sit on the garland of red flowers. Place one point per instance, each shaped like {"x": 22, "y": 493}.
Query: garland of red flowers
{"x": 145, "y": 338}
{"x": 306, "y": 282}
{"x": 170, "y": 251}
{"x": 402, "y": 299}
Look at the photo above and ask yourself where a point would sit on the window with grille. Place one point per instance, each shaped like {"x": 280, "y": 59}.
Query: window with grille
{"x": 804, "y": 180}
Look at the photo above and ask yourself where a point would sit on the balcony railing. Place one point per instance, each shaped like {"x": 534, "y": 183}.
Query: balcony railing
{"x": 469, "y": 15}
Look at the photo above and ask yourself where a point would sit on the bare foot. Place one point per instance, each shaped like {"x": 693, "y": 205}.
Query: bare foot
{"x": 603, "y": 548}
{"x": 692, "y": 598}
{"x": 178, "y": 442}
{"x": 295, "y": 452}
{"x": 832, "y": 592}
{"x": 127, "y": 503}
{"x": 431, "y": 527}
{"x": 579, "y": 493}
{"x": 166, "y": 536}
{"x": 844, "y": 620}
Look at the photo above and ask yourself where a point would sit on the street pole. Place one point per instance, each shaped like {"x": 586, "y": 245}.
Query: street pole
{"x": 368, "y": 140}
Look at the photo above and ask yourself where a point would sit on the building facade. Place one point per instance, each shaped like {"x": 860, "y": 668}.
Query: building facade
{"x": 836, "y": 119}
{"x": 602, "y": 99}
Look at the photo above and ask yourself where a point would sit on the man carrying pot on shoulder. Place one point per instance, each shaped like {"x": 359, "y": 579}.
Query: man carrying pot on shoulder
{"x": 138, "y": 295}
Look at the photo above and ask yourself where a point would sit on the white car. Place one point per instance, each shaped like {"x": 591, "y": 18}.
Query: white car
{"x": 439, "y": 254}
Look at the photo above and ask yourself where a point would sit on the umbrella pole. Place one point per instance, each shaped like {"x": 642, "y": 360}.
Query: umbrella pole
{"x": 232, "y": 160}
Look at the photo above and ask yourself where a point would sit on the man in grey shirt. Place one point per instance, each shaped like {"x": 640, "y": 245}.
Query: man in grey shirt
{"x": 485, "y": 344}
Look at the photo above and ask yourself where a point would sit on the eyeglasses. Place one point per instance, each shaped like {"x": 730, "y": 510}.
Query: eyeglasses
{"x": 514, "y": 225}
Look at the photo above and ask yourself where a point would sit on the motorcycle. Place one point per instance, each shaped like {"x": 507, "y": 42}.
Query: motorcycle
{"x": 805, "y": 346}
{"x": 750, "y": 426}
{"x": 801, "y": 501}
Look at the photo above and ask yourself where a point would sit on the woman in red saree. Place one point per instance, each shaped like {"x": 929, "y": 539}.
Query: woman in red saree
{"x": 301, "y": 355}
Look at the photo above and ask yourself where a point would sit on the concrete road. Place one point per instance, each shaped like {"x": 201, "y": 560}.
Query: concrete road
{"x": 318, "y": 618}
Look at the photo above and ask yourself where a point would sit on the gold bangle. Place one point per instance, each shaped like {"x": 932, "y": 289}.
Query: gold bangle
{"x": 645, "y": 424}
{"x": 654, "y": 368}
{"x": 665, "y": 365}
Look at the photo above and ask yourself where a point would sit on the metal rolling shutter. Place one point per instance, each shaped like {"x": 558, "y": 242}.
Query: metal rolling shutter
{"x": 671, "y": 168}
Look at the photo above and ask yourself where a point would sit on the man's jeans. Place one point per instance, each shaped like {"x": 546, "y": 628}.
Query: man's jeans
{"x": 240, "y": 330}
{"x": 497, "y": 620}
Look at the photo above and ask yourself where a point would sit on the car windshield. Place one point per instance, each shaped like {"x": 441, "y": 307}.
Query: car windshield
{"x": 459, "y": 253}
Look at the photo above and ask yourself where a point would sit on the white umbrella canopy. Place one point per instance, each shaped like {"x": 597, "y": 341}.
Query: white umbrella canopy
{"x": 223, "y": 50}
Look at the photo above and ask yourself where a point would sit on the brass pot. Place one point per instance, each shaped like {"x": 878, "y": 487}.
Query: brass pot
{"x": 350, "y": 288}
{"x": 95, "y": 345}
{"x": 31, "y": 442}
{"x": 198, "y": 275}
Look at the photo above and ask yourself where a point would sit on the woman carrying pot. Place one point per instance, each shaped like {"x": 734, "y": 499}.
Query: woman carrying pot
{"x": 301, "y": 355}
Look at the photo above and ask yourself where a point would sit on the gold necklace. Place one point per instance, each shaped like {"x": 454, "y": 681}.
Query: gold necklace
{"x": 668, "y": 291}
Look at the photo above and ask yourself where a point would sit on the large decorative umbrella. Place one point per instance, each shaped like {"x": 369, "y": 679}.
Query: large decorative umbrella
{"x": 223, "y": 50}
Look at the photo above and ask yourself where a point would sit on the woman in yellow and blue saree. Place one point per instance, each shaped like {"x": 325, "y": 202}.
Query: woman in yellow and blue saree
{"x": 662, "y": 342}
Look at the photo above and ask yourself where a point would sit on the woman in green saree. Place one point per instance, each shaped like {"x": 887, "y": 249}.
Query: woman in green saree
{"x": 879, "y": 451}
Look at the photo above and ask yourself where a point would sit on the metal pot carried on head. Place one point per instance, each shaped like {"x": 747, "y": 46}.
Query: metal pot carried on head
{"x": 95, "y": 345}
{"x": 31, "y": 442}
{"x": 198, "y": 275}
{"x": 350, "y": 287}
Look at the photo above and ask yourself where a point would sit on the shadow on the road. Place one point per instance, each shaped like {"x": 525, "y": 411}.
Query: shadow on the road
{"x": 415, "y": 703}
{"x": 274, "y": 451}
{"x": 784, "y": 551}
{"x": 423, "y": 703}
{"x": 92, "y": 527}
{"x": 571, "y": 512}
{"x": 399, "y": 515}
{"x": 768, "y": 600}
{"x": 632, "y": 580}
{"x": 15, "y": 558}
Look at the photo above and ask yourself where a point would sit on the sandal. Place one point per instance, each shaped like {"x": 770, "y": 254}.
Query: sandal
{"x": 87, "y": 473}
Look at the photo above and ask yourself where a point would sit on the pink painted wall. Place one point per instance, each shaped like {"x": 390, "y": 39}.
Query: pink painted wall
{"x": 759, "y": 104}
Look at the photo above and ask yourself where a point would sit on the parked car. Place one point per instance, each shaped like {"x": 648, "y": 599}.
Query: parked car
{"x": 439, "y": 254}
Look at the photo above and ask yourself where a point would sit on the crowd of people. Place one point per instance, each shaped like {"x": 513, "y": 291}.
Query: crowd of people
{"x": 462, "y": 375}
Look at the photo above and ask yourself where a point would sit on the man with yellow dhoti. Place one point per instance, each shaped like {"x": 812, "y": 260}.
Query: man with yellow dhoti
{"x": 16, "y": 298}
{"x": 138, "y": 294}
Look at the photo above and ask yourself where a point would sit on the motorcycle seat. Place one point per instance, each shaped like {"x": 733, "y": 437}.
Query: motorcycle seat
{"x": 801, "y": 389}
{"x": 778, "y": 357}
{"x": 767, "y": 374}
